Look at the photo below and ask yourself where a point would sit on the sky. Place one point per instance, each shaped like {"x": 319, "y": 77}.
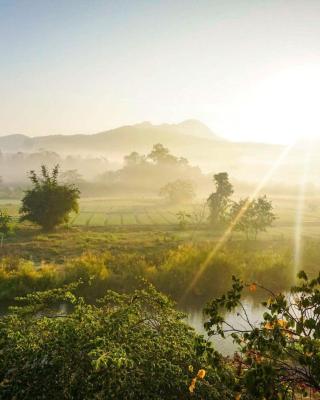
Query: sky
{"x": 249, "y": 69}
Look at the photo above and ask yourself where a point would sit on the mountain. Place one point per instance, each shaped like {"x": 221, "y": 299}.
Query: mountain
{"x": 139, "y": 137}
{"x": 115, "y": 143}
{"x": 191, "y": 139}
{"x": 13, "y": 143}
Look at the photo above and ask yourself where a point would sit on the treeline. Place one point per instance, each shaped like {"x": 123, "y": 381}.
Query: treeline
{"x": 139, "y": 175}
{"x": 135, "y": 175}
{"x": 149, "y": 173}
{"x": 14, "y": 167}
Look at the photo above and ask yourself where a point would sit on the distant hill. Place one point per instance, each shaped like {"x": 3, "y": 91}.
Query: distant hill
{"x": 119, "y": 141}
{"x": 13, "y": 143}
{"x": 191, "y": 139}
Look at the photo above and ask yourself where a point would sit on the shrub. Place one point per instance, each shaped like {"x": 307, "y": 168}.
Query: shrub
{"x": 49, "y": 203}
{"x": 6, "y": 223}
{"x": 132, "y": 346}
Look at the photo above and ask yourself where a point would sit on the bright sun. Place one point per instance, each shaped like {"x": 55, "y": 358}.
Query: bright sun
{"x": 285, "y": 106}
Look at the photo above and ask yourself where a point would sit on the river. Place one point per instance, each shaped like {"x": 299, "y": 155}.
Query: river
{"x": 226, "y": 346}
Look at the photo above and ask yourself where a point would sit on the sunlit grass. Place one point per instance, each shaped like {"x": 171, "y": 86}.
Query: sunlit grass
{"x": 225, "y": 236}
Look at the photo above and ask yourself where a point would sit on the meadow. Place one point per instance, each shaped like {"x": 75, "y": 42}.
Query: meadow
{"x": 142, "y": 238}
{"x": 153, "y": 212}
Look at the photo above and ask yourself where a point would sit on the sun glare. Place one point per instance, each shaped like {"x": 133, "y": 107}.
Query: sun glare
{"x": 285, "y": 106}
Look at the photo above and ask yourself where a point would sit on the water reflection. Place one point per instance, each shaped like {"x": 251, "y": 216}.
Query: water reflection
{"x": 226, "y": 346}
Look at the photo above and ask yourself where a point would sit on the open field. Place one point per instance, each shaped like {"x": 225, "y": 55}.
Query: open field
{"x": 146, "y": 227}
{"x": 99, "y": 212}
{"x": 140, "y": 213}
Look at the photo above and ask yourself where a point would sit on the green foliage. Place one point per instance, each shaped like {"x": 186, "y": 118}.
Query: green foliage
{"x": 219, "y": 201}
{"x": 49, "y": 203}
{"x": 178, "y": 191}
{"x": 171, "y": 271}
{"x": 19, "y": 277}
{"x": 6, "y": 223}
{"x": 280, "y": 356}
{"x": 133, "y": 346}
{"x": 252, "y": 216}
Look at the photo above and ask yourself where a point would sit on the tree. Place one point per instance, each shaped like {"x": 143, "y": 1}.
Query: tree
{"x": 219, "y": 201}
{"x": 178, "y": 191}
{"x": 252, "y": 216}
{"x": 134, "y": 159}
{"x": 160, "y": 154}
{"x": 279, "y": 356}
{"x": 49, "y": 203}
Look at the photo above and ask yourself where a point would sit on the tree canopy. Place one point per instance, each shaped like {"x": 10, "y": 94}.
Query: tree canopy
{"x": 178, "y": 191}
{"x": 219, "y": 201}
{"x": 252, "y": 216}
{"x": 49, "y": 203}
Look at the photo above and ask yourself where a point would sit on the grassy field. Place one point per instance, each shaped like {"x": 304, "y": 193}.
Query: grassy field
{"x": 99, "y": 212}
{"x": 143, "y": 239}
{"x": 106, "y": 212}
{"x": 143, "y": 225}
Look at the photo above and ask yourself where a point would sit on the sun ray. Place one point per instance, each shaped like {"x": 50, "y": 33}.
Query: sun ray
{"x": 233, "y": 223}
{"x": 298, "y": 242}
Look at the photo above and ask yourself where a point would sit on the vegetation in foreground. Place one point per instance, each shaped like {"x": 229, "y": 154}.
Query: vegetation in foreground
{"x": 136, "y": 346}
{"x": 124, "y": 347}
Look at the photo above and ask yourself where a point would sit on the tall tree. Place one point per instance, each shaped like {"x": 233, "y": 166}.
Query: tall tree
{"x": 49, "y": 203}
{"x": 219, "y": 201}
{"x": 160, "y": 154}
{"x": 178, "y": 191}
{"x": 252, "y": 216}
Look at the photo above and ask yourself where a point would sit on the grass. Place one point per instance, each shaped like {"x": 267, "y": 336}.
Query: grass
{"x": 32, "y": 244}
{"x": 149, "y": 229}
{"x": 139, "y": 224}
{"x": 119, "y": 259}
{"x": 102, "y": 212}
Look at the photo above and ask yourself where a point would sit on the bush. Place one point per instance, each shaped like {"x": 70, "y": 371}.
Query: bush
{"x": 49, "y": 203}
{"x": 126, "y": 347}
{"x": 6, "y": 223}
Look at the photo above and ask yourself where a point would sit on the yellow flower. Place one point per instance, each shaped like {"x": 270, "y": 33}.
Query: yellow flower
{"x": 282, "y": 322}
{"x": 201, "y": 374}
{"x": 193, "y": 385}
{"x": 268, "y": 325}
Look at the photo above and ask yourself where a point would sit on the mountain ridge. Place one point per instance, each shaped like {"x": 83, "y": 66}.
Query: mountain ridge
{"x": 190, "y": 138}
{"x": 101, "y": 141}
